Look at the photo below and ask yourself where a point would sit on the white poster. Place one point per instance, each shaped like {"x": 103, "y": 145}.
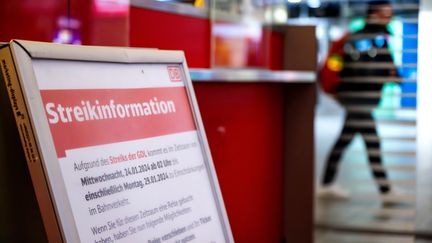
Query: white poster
{"x": 129, "y": 152}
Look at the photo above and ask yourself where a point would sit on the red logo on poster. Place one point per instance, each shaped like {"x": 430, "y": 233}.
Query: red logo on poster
{"x": 174, "y": 73}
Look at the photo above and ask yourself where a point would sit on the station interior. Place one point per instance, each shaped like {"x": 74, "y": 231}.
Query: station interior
{"x": 255, "y": 67}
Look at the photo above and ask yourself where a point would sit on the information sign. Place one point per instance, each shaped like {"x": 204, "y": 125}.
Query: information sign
{"x": 117, "y": 142}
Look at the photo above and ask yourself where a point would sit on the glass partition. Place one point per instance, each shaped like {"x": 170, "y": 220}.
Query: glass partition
{"x": 241, "y": 32}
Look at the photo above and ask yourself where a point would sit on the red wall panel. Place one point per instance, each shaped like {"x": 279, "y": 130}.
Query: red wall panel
{"x": 275, "y": 50}
{"x": 155, "y": 29}
{"x": 244, "y": 126}
{"x": 32, "y": 20}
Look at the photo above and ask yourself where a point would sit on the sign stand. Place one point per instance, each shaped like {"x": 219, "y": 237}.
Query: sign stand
{"x": 114, "y": 144}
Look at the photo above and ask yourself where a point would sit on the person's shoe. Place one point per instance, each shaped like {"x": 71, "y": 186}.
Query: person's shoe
{"x": 395, "y": 197}
{"x": 333, "y": 192}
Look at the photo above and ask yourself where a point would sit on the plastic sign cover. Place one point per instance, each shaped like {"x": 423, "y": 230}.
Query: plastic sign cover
{"x": 129, "y": 152}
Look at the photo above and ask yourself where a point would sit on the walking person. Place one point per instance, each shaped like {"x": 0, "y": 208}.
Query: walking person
{"x": 365, "y": 62}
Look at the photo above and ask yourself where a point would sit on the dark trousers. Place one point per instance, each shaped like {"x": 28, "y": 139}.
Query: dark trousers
{"x": 345, "y": 138}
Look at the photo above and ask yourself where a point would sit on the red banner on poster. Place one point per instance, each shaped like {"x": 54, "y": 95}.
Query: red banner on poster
{"x": 83, "y": 118}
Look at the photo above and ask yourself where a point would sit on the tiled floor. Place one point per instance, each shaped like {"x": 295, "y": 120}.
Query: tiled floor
{"x": 324, "y": 236}
{"x": 366, "y": 207}
{"x": 331, "y": 236}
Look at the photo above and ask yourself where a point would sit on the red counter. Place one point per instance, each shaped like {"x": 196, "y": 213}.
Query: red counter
{"x": 261, "y": 134}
